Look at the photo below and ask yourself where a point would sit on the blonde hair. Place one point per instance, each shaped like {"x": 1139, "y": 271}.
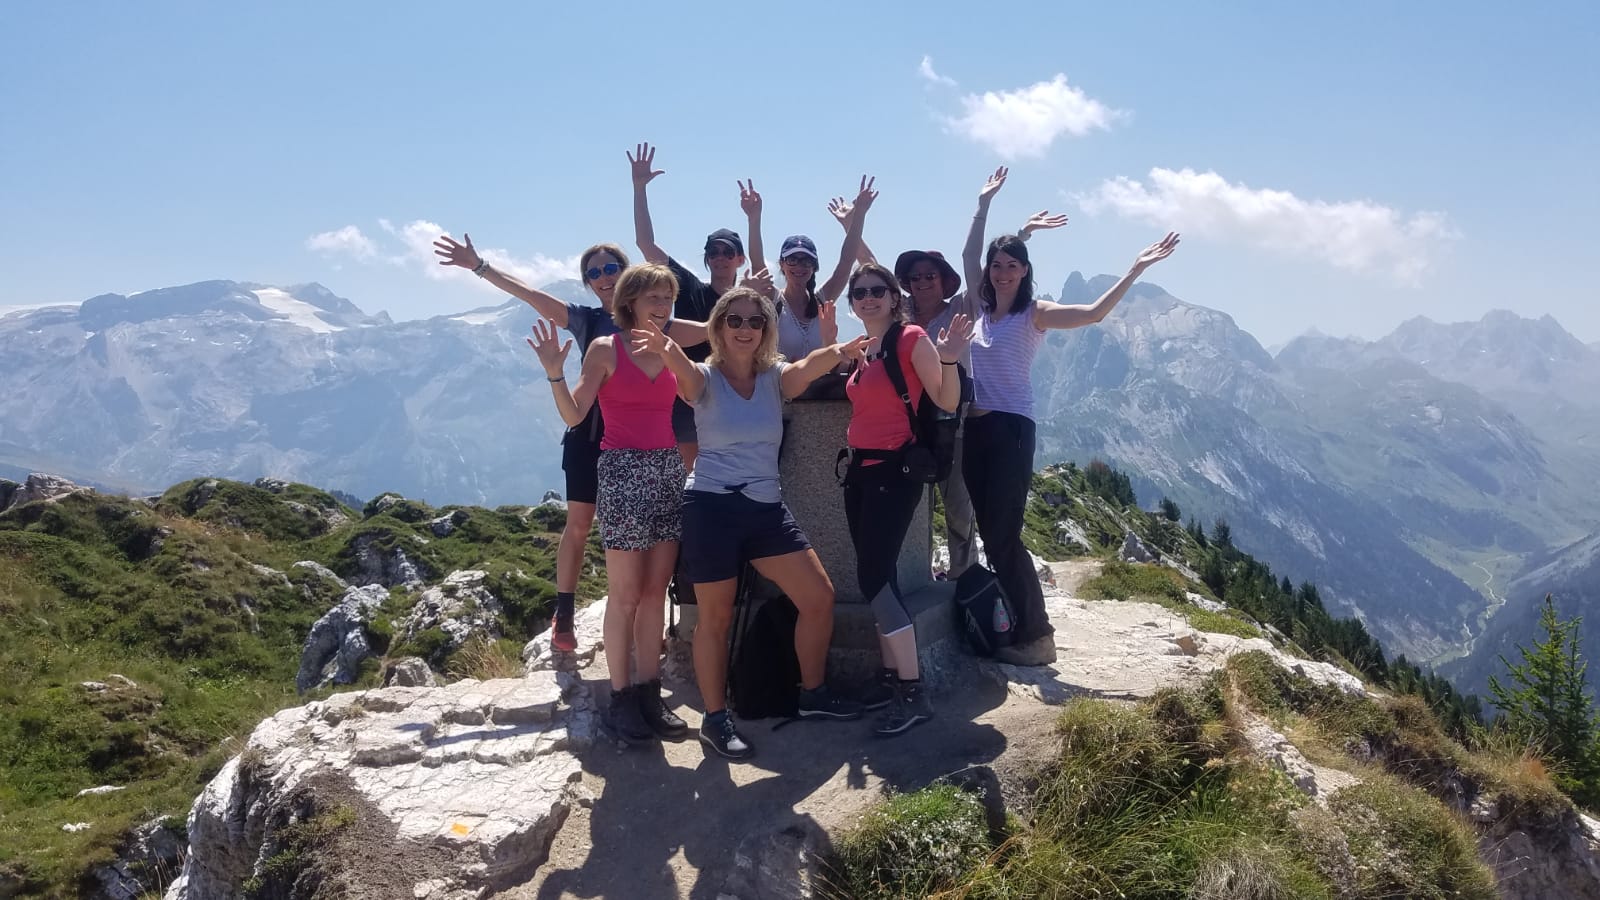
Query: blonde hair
{"x": 635, "y": 282}
{"x": 767, "y": 354}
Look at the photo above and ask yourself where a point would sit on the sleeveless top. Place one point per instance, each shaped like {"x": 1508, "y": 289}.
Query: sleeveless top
{"x": 739, "y": 437}
{"x": 877, "y": 417}
{"x": 795, "y": 339}
{"x": 1002, "y": 363}
{"x": 637, "y": 410}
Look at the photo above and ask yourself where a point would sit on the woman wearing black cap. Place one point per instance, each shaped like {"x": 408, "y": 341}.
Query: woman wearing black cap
{"x": 806, "y": 316}
{"x": 998, "y": 466}
{"x": 724, "y": 257}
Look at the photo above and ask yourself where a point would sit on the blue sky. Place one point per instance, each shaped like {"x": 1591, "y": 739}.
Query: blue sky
{"x": 1340, "y": 166}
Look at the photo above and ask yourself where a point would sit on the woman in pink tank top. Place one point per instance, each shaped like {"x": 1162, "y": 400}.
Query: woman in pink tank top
{"x": 641, "y": 489}
{"x": 999, "y": 431}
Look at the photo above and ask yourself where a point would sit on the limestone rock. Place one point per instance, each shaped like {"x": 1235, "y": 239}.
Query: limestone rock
{"x": 320, "y": 571}
{"x": 337, "y": 643}
{"x": 1538, "y": 854}
{"x": 268, "y": 573}
{"x": 38, "y": 487}
{"x": 1204, "y": 602}
{"x": 467, "y": 783}
{"x": 1135, "y": 550}
{"x": 150, "y": 856}
{"x": 787, "y": 864}
{"x": 1271, "y": 746}
{"x": 588, "y": 625}
{"x": 412, "y": 671}
{"x": 446, "y": 525}
{"x": 460, "y": 606}
{"x": 390, "y": 569}
{"x": 553, "y": 499}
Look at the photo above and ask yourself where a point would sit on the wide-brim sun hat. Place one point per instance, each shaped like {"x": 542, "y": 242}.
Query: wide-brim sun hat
{"x": 947, "y": 273}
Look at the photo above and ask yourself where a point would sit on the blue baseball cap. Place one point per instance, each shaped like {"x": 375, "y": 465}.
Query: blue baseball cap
{"x": 798, "y": 243}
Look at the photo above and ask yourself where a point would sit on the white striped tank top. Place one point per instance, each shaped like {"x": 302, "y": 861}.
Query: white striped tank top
{"x": 1002, "y": 363}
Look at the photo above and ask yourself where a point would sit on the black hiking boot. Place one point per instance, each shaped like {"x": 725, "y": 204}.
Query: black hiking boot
{"x": 879, "y": 692}
{"x": 622, "y": 720}
{"x": 821, "y": 703}
{"x": 911, "y": 708}
{"x": 655, "y": 713}
{"x": 718, "y": 733}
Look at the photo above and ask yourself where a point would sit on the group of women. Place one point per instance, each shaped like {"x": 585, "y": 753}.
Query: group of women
{"x": 676, "y": 421}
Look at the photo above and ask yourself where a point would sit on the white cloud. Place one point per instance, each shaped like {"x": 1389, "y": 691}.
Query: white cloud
{"x": 1026, "y": 121}
{"x": 927, "y": 72}
{"x": 415, "y": 250}
{"x": 346, "y": 241}
{"x": 1358, "y": 235}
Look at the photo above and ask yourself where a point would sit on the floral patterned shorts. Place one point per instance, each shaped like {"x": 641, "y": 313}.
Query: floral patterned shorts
{"x": 641, "y": 498}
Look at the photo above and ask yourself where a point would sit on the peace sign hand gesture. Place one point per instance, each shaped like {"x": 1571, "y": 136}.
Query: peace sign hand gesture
{"x": 864, "y": 197}
{"x": 463, "y": 255}
{"x": 547, "y": 344}
{"x": 643, "y": 157}
{"x": 1157, "y": 252}
{"x": 749, "y": 198}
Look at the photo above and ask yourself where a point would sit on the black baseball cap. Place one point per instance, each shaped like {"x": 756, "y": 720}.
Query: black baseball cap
{"x": 725, "y": 236}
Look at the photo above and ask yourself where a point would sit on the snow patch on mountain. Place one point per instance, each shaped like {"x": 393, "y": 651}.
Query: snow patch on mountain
{"x": 296, "y": 312}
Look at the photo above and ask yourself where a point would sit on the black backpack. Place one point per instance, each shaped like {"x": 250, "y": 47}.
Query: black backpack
{"x": 763, "y": 671}
{"x": 983, "y": 612}
{"x": 931, "y": 454}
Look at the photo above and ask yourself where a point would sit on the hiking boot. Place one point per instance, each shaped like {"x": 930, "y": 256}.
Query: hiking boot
{"x": 821, "y": 703}
{"x": 879, "y": 692}
{"x": 1040, "y": 651}
{"x": 563, "y": 639}
{"x": 622, "y": 720}
{"x": 718, "y": 733}
{"x": 911, "y": 708}
{"x": 655, "y": 713}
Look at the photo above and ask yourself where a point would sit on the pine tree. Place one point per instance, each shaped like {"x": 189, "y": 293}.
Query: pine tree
{"x": 1170, "y": 510}
{"x": 1548, "y": 704}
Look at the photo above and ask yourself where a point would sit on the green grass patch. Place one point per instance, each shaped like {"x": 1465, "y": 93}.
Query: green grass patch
{"x": 912, "y": 845}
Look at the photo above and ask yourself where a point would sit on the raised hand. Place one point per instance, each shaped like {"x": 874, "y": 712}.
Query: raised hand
{"x": 840, "y": 209}
{"x": 855, "y": 349}
{"x": 1157, "y": 252}
{"x": 760, "y": 282}
{"x": 749, "y": 198}
{"x": 648, "y": 339}
{"x": 828, "y": 321}
{"x": 551, "y": 350}
{"x": 1042, "y": 220}
{"x": 954, "y": 338}
{"x": 993, "y": 185}
{"x": 864, "y": 198}
{"x": 643, "y": 157}
{"x": 463, "y": 255}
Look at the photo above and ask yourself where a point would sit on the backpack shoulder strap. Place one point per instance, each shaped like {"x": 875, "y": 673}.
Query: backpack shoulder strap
{"x": 897, "y": 375}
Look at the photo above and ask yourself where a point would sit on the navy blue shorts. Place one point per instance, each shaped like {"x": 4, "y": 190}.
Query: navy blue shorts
{"x": 722, "y": 532}
{"x": 683, "y": 430}
{"x": 580, "y": 460}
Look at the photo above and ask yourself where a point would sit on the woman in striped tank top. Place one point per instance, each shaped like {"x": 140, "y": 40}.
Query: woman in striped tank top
{"x": 999, "y": 430}
{"x": 641, "y": 488}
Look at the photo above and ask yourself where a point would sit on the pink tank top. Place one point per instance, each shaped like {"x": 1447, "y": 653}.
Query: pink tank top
{"x": 637, "y": 410}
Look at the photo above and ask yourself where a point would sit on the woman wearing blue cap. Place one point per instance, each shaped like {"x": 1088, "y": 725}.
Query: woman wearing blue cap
{"x": 806, "y": 315}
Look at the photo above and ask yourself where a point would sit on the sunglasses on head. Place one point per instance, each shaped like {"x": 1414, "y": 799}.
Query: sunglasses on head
{"x": 721, "y": 253}
{"x": 915, "y": 277}
{"x": 860, "y": 293}
{"x": 756, "y": 322}
{"x": 595, "y": 272}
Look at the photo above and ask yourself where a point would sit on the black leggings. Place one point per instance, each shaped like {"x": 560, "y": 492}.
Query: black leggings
{"x": 879, "y": 504}
{"x": 998, "y": 466}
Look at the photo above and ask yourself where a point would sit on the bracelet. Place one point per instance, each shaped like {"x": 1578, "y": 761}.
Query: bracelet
{"x": 481, "y": 267}
{"x": 943, "y": 363}
{"x": 555, "y": 380}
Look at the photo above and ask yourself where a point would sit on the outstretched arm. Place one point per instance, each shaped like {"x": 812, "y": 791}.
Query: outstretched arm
{"x": 852, "y": 242}
{"x": 819, "y": 362}
{"x": 644, "y": 231}
{"x": 972, "y": 252}
{"x": 1048, "y": 315}
{"x": 840, "y": 208}
{"x": 574, "y": 404}
{"x": 650, "y": 339}
{"x": 466, "y": 256}
{"x": 750, "y": 202}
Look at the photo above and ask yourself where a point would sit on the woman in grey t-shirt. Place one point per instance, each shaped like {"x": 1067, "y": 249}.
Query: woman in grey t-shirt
{"x": 733, "y": 511}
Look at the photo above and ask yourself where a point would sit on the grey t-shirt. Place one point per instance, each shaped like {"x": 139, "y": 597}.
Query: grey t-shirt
{"x": 957, "y": 304}
{"x": 739, "y": 438}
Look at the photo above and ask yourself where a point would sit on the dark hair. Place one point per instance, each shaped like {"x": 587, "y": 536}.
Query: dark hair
{"x": 596, "y": 250}
{"x": 1012, "y": 246}
{"x": 872, "y": 268}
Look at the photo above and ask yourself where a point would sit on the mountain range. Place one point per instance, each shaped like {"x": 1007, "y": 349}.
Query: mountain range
{"x": 1414, "y": 478}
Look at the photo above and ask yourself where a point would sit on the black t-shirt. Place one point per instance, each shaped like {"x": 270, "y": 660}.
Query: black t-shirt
{"x": 695, "y": 301}
{"x": 587, "y": 323}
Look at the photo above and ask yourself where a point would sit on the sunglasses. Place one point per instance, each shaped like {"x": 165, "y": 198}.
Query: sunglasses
{"x": 756, "y": 322}
{"x": 915, "y": 277}
{"x": 799, "y": 259}
{"x": 596, "y": 271}
{"x": 860, "y": 293}
{"x": 721, "y": 253}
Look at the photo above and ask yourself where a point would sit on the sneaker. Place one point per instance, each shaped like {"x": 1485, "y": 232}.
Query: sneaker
{"x": 655, "y": 713}
{"x": 1040, "y": 651}
{"x": 822, "y": 703}
{"x": 565, "y": 640}
{"x": 879, "y": 692}
{"x": 718, "y": 733}
{"x": 912, "y": 708}
{"x": 622, "y": 720}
